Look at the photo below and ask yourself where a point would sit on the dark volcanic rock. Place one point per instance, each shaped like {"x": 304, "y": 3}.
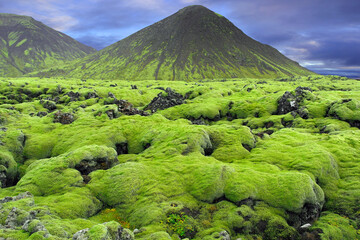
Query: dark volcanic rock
{"x": 127, "y": 108}
{"x": 163, "y": 101}
{"x": 309, "y": 213}
{"x": 41, "y": 114}
{"x": 291, "y": 103}
{"x": 91, "y": 95}
{"x": 287, "y": 103}
{"x": 51, "y": 106}
{"x": 73, "y": 96}
{"x": 3, "y": 176}
{"x": 63, "y": 118}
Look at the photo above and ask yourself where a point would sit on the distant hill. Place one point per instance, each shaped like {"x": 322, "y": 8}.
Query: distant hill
{"x": 194, "y": 43}
{"x": 27, "y": 45}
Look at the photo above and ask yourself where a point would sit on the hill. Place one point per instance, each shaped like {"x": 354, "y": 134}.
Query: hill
{"x": 194, "y": 43}
{"x": 27, "y": 45}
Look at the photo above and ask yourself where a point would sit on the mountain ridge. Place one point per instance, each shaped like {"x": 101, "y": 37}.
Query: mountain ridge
{"x": 28, "y": 45}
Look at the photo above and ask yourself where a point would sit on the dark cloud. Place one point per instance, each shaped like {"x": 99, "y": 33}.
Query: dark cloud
{"x": 322, "y": 32}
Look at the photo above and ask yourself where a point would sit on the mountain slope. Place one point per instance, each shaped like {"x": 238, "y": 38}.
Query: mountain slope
{"x": 194, "y": 43}
{"x": 27, "y": 45}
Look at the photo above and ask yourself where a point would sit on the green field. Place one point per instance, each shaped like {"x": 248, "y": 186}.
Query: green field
{"x": 227, "y": 159}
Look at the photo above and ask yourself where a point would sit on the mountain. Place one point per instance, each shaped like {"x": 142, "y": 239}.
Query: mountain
{"x": 27, "y": 45}
{"x": 194, "y": 43}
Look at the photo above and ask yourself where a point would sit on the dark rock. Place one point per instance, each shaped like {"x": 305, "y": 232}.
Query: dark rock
{"x": 51, "y": 106}
{"x": 111, "y": 114}
{"x": 134, "y": 87}
{"x": 87, "y": 166}
{"x": 91, "y": 95}
{"x": 3, "y": 176}
{"x": 122, "y": 148}
{"x": 309, "y": 213}
{"x": 111, "y": 95}
{"x": 269, "y": 124}
{"x": 199, "y": 121}
{"x": 247, "y": 146}
{"x": 312, "y": 235}
{"x": 163, "y": 101}
{"x": 287, "y": 123}
{"x": 127, "y": 108}
{"x": 291, "y": 103}
{"x": 63, "y": 118}
{"x": 3, "y": 129}
{"x": 287, "y": 103}
{"x": 73, "y": 96}
{"x": 41, "y": 114}
{"x": 303, "y": 113}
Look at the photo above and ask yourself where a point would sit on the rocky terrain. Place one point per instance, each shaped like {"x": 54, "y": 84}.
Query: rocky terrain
{"x": 231, "y": 159}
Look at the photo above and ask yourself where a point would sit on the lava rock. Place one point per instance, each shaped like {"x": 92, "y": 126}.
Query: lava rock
{"x": 291, "y": 103}
{"x": 33, "y": 226}
{"x": 163, "y": 101}
{"x": 3, "y": 176}
{"x": 73, "y": 96}
{"x": 63, "y": 118}
{"x": 41, "y": 114}
{"x": 111, "y": 114}
{"x": 127, "y": 108}
{"x": 17, "y": 217}
{"x": 91, "y": 95}
{"x": 111, "y": 95}
{"x": 49, "y": 105}
{"x": 287, "y": 103}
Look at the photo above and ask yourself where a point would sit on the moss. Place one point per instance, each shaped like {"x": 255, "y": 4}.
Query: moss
{"x": 246, "y": 176}
{"x": 334, "y": 226}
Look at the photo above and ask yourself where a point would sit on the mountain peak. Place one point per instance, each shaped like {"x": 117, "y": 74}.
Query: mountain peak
{"x": 27, "y": 45}
{"x": 194, "y": 43}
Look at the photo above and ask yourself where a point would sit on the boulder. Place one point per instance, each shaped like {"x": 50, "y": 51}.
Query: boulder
{"x": 127, "y": 108}
{"x": 63, "y": 118}
{"x": 290, "y": 103}
{"x": 74, "y": 96}
{"x": 163, "y": 101}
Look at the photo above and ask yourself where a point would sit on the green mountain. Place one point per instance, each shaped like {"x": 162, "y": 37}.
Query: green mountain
{"x": 27, "y": 45}
{"x": 194, "y": 43}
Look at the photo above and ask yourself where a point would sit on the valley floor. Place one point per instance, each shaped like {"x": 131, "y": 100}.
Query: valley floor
{"x": 236, "y": 158}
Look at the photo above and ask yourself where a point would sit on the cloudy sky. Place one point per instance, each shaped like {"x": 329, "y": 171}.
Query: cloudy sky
{"x": 322, "y": 35}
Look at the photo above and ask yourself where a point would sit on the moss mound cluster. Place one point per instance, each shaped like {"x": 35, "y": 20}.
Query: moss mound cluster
{"x": 222, "y": 163}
